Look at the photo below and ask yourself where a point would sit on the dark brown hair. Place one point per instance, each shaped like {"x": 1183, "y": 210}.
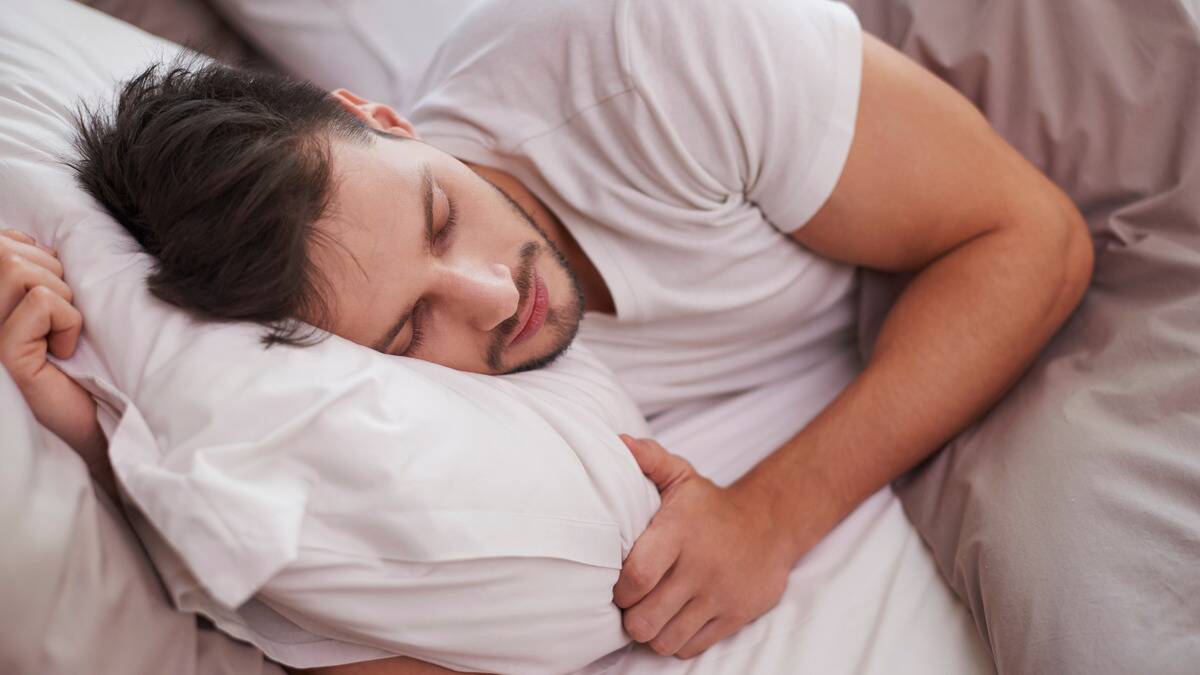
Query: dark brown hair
{"x": 221, "y": 174}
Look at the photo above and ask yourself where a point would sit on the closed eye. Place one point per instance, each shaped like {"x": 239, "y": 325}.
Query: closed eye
{"x": 441, "y": 243}
{"x": 442, "y": 240}
{"x": 414, "y": 343}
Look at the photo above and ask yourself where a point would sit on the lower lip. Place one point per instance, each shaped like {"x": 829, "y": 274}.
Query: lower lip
{"x": 541, "y": 301}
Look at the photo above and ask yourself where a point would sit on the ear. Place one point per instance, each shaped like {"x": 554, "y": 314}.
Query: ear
{"x": 375, "y": 115}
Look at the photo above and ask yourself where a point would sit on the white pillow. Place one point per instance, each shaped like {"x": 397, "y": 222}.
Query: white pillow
{"x": 376, "y": 48}
{"x": 471, "y": 521}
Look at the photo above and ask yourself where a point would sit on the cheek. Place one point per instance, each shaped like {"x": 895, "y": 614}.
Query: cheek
{"x": 448, "y": 343}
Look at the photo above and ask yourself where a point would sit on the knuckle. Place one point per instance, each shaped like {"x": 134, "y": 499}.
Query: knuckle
{"x": 10, "y": 265}
{"x": 739, "y": 617}
{"x": 638, "y": 627}
{"x": 41, "y": 295}
{"x": 620, "y": 599}
{"x": 636, "y": 579}
{"x": 662, "y": 647}
{"x": 707, "y": 604}
{"x": 687, "y": 653}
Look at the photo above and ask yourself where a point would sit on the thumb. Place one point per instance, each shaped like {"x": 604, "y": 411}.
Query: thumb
{"x": 660, "y": 466}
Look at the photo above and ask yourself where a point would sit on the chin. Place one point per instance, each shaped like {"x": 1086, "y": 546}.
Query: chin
{"x": 555, "y": 336}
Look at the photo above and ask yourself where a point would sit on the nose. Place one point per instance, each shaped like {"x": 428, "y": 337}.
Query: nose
{"x": 486, "y": 292}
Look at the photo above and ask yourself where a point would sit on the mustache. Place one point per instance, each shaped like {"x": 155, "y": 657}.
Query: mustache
{"x": 524, "y": 282}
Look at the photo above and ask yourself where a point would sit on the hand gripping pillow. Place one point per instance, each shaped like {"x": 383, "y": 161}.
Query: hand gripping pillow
{"x": 475, "y": 522}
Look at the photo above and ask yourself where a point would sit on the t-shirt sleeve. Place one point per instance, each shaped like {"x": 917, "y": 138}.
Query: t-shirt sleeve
{"x": 760, "y": 95}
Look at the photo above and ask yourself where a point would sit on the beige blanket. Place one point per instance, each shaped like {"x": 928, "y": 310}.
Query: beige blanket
{"x": 1069, "y": 518}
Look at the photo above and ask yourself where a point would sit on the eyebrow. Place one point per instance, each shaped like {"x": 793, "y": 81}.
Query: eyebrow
{"x": 382, "y": 343}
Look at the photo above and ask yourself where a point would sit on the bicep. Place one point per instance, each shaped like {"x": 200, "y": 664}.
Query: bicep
{"x": 925, "y": 173}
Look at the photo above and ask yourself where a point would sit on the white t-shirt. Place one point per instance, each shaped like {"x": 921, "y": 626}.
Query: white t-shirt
{"x": 678, "y": 141}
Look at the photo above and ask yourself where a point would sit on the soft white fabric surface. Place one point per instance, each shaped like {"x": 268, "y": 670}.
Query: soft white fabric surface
{"x": 260, "y": 478}
{"x": 677, "y": 141}
{"x": 375, "y": 48}
{"x": 77, "y": 591}
{"x": 867, "y": 599}
{"x": 471, "y": 521}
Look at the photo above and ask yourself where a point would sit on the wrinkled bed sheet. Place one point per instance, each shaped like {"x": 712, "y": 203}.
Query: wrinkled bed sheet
{"x": 1068, "y": 519}
{"x": 868, "y": 599}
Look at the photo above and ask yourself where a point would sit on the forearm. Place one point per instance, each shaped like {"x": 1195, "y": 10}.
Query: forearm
{"x": 69, "y": 412}
{"x": 958, "y": 337}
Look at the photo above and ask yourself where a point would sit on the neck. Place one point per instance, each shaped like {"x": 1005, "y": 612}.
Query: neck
{"x": 596, "y": 297}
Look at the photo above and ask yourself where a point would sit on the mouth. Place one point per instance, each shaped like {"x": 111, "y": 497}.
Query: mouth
{"x": 534, "y": 311}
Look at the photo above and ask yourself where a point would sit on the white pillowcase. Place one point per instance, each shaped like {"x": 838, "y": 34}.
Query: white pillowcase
{"x": 376, "y": 48}
{"x": 475, "y": 522}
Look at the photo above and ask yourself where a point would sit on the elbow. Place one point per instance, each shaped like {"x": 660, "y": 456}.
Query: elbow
{"x": 1078, "y": 259}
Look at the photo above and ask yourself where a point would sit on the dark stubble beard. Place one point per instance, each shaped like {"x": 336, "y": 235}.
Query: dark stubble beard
{"x": 561, "y": 322}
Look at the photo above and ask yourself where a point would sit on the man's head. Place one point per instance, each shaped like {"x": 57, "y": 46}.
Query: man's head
{"x": 266, "y": 199}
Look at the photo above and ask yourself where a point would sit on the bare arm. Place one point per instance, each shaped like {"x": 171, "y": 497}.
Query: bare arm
{"x": 38, "y": 319}
{"x": 1002, "y": 258}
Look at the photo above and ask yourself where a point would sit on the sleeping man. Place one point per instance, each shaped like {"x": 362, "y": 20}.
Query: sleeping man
{"x": 689, "y": 186}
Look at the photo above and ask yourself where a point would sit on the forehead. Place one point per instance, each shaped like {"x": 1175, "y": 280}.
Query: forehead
{"x": 363, "y": 173}
{"x": 373, "y": 227}
{"x": 374, "y": 189}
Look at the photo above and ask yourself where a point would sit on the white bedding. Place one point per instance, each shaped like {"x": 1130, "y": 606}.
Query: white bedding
{"x": 868, "y": 599}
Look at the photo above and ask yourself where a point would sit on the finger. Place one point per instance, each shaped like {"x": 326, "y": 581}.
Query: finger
{"x": 66, "y": 325}
{"x": 57, "y": 401}
{"x": 652, "y": 556}
{"x": 660, "y": 466}
{"x": 18, "y": 276}
{"x": 40, "y": 255}
{"x": 713, "y": 632}
{"x": 45, "y": 315}
{"x": 682, "y": 627}
{"x": 42, "y": 320}
{"x": 34, "y": 252}
{"x": 645, "y": 620}
{"x": 18, "y": 236}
